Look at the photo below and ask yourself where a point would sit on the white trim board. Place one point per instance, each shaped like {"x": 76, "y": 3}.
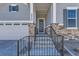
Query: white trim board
{"x": 72, "y": 7}
{"x": 54, "y": 12}
{"x": 13, "y": 4}
{"x": 16, "y": 21}
{"x": 72, "y": 28}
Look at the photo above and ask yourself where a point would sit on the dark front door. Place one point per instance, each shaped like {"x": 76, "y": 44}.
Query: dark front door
{"x": 41, "y": 25}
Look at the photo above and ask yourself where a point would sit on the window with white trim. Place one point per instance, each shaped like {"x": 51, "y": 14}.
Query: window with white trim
{"x": 71, "y": 17}
{"x": 13, "y": 8}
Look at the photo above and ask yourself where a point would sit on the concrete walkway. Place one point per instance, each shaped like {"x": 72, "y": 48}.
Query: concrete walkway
{"x": 8, "y": 48}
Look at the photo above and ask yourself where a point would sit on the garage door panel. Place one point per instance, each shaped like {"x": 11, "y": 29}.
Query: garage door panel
{"x": 13, "y": 32}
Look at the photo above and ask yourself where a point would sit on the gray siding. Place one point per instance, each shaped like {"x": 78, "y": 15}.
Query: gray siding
{"x": 59, "y": 10}
{"x": 23, "y": 14}
{"x": 78, "y": 18}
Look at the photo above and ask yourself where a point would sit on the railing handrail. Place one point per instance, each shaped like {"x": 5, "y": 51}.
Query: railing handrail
{"x": 18, "y": 44}
{"x": 55, "y": 31}
{"x": 23, "y": 37}
{"x": 61, "y": 41}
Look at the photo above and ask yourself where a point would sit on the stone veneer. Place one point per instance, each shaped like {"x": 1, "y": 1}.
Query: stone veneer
{"x": 47, "y": 30}
{"x": 31, "y": 29}
{"x": 31, "y": 33}
{"x": 68, "y": 33}
{"x": 59, "y": 29}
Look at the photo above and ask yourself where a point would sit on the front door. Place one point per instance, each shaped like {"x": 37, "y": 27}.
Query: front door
{"x": 41, "y": 25}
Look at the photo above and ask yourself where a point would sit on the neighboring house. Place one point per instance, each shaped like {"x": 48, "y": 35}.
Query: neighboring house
{"x": 26, "y": 17}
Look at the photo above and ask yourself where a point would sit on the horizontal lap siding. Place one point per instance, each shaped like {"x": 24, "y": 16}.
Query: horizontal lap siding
{"x": 22, "y": 14}
{"x": 59, "y": 10}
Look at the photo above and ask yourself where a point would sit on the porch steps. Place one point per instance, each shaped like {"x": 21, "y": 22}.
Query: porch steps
{"x": 43, "y": 45}
{"x": 43, "y": 42}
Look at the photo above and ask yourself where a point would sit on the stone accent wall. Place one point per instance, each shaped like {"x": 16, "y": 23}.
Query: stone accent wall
{"x": 31, "y": 29}
{"x": 47, "y": 30}
{"x": 68, "y": 33}
{"x": 31, "y": 33}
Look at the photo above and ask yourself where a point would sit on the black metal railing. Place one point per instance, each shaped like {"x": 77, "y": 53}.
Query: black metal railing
{"x": 42, "y": 46}
{"x": 38, "y": 45}
{"x": 58, "y": 40}
{"x": 24, "y": 45}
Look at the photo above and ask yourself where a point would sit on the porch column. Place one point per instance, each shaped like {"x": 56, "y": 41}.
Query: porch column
{"x": 54, "y": 12}
{"x": 31, "y": 11}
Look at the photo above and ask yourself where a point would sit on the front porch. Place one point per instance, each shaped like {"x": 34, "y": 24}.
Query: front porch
{"x": 41, "y": 10}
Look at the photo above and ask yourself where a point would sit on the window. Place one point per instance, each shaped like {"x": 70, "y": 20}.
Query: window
{"x": 71, "y": 17}
{"x": 71, "y": 13}
{"x": 13, "y": 8}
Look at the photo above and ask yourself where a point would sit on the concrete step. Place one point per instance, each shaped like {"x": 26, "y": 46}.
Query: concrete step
{"x": 43, "y": 42}
{"x": 43, "y": 46}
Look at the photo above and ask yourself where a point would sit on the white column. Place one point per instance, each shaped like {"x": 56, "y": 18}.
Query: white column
{"x": 31, "y": 11}
{"x": 54, "y": 12}
{"x": 51, "y": 13}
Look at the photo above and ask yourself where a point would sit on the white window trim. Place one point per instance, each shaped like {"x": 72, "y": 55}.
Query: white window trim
{"x": 13, "y": 5}
{"x": 72, "y": 28}
{"x": 13, "y": 11}
{"x": 72, "y": 8}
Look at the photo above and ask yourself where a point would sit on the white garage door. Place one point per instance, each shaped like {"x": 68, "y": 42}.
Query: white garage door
{"x": 13, "y": 31}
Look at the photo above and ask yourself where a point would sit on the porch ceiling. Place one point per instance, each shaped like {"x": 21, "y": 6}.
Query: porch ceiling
{"x": 42, "y": 8}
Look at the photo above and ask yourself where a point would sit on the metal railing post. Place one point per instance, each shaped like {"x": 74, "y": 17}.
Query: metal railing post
{"x": 57, "y": 42}
{"x": 28, "y": 45}
{"x": 17, "y": 47}
{"x": 51, "y": 31}
{"x": 62, "y": 46}
{"x": 55, "y": 39}
{"x": 35, "y": 33}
